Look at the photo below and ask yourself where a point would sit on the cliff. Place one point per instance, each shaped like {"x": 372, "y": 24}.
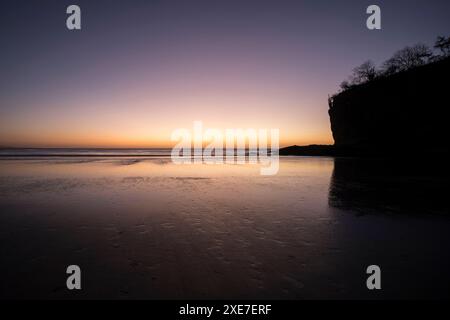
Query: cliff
{"x": 398, "y": 113}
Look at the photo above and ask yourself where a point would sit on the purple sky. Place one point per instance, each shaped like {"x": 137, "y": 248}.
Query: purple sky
{"x": 140, "y": 69}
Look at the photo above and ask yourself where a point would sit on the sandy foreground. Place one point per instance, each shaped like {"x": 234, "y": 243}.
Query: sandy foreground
{"x": 149, "y": 229}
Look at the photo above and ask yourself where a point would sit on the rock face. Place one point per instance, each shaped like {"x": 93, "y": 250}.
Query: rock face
{"x": 398, "y": 113}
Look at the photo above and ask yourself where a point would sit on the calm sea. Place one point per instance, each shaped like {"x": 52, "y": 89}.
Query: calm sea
{"x": 84, "y": 152}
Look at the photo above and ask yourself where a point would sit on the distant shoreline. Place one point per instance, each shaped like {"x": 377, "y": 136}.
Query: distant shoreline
{"x": 368, "y": 151}
{"x": 309, "y": 150}
{"x": 295, "y": 150}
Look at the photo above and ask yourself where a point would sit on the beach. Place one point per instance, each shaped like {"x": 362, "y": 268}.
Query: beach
{"x": 145, "y": 228}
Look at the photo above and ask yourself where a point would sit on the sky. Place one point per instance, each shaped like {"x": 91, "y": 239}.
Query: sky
{"x": 138, "y": 70}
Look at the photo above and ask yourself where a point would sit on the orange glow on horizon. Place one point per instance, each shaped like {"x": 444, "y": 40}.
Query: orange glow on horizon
{"x": 147, "y": 121}
{"x": 62, "y": 140}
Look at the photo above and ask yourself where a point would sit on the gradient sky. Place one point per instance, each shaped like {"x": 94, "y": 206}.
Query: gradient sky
{"x": 140, "y": 69}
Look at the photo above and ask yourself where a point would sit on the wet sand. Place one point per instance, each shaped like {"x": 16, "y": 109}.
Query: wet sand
{"x": 148, "y": 229}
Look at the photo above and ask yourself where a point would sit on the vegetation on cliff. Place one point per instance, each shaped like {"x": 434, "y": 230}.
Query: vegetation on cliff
{"x": 400, "y": 109}
{"x": 403, "y": 60}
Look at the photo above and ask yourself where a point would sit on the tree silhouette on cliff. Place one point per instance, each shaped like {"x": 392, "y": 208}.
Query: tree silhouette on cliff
{"x": 443, "y": 44}
{"x": 405, "y": 59}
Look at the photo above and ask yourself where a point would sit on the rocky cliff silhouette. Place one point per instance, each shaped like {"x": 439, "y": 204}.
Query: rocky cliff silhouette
{"x": 402, "y": 113}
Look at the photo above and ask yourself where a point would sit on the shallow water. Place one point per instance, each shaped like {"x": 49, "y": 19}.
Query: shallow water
{"x": 146, "y": 228}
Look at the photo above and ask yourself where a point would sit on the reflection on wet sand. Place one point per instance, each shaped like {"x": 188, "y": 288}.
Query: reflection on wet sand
{"x": 400, "y": 186}
{"x": 152, "y": 229}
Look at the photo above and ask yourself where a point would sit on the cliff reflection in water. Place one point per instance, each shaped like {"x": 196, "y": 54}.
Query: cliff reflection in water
{"x": 388, "y": 186}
